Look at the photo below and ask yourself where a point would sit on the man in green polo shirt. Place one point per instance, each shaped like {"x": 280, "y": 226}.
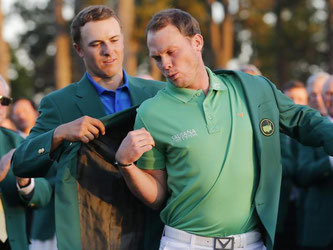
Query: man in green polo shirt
{"x": 209, "y": 145}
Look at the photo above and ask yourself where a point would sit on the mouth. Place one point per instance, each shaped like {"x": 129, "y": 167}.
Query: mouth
{"x": 109, "y": 61}
{"x": 173, "y": 76}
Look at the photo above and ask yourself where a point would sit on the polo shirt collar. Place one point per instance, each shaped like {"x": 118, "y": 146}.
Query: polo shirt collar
{"x": 100, "y": 90}
{"x": 185, "y": 94}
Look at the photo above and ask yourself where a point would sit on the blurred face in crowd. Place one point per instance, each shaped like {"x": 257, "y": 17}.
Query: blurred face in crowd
{"x": 298, "y": 95}
{"x": 328, "y": 96}
{"x": 3, "y": 109}
{"x": 178, "y": 56}
{"x": 315, "y": 96}
{"x": 102, "y": 48}
{"x": 24, "y": 115}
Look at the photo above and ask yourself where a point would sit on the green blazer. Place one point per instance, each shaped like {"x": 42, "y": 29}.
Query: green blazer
{"x": 315, "y": 176}
{"x": 42, "y": 202}
{"x": 12, "y": 204}
{"x": 32, "y": 158}
{"x": 265, "y": 101}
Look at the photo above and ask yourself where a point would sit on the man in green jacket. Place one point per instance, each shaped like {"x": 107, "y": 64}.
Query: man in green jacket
{"x": 12, "y": 210}
{"x": 208, "y": 145}
{"x": 84, "y": 219}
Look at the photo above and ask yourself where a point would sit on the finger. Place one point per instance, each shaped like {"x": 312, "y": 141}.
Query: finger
{"x": 139, "y": 131}
{"x": 93, "y": 130}
{"x": 84, "y": 139}
{"x": 90, "y": 136}
{"x": 146, "y": 148}
{"x": 146, "y": 141}
{"x": 98, "y": 124}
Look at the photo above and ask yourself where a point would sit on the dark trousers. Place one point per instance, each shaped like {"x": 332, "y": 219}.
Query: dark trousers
{"x": 4, "y": 246}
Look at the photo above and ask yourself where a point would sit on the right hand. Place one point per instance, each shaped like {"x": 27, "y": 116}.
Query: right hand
{"x": 134, "y": 145}
{"x": 84, "y": 129}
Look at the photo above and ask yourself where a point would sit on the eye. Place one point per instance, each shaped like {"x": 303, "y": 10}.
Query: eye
{"x": 94, "y": 44}
{"x": 170, "y": 52}
{"x": 157, "y": 58}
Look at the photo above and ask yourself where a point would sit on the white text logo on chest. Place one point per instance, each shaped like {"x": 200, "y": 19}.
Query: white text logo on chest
{"x": 184, "y": 135}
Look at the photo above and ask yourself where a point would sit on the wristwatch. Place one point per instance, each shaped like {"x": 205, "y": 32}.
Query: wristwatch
{"x": 120, "y": 165}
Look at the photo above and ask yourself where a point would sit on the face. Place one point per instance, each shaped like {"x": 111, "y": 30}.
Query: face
{"x": 3, "y": 109}
{"x": 298, "y": 95}
{"x": 178, "y": 57}
{"x": 24, "y": 115}
{"x": 102, "y": 48}
{"x": 315, "y": 96}
{"x": 328, "y": 98}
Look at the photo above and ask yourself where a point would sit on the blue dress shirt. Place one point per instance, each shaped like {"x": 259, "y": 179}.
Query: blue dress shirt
{"x": 113, "y": 101}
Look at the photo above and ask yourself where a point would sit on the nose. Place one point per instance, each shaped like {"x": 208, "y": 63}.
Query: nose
{"x": 166, "y": 63}
{"x": 106, "y": 49}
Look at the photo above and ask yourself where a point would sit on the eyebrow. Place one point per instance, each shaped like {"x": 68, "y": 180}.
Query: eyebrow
{"x": 94, "y": 41}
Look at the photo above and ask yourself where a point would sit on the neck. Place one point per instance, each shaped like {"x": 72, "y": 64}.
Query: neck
{"x": 202, "y": 79}
{"x": 109, "y": 83}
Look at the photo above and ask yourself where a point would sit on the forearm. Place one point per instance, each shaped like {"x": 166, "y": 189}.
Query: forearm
{"x": 148, "y": 186}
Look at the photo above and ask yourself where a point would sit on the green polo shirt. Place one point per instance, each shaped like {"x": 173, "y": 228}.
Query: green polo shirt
{"x": 205, "y": 143}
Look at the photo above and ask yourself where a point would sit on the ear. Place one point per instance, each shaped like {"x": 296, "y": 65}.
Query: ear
{"x": 198, "y": 42}
{"x": 78, "y": 49}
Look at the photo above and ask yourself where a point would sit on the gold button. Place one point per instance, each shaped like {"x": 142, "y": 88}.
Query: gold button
{"x": 41, "y": 150}
{"x": 32, "y": 205}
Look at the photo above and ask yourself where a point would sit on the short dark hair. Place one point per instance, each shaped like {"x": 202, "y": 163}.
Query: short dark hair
{"x": 89, "y": 14}
{"x": 26, "y": 99}
{"x": 183, "y": 21}
{"x": 293, "y": 84}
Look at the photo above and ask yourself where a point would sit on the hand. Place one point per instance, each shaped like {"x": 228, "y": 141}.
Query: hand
{"x": 23, "y": 182}
{"x": 134, "y": 145}
{"x": 84, "y": 129}
{"x": 5, "y": 164}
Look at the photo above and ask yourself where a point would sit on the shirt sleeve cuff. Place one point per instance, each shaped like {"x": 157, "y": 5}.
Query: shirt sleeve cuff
{"x": 331, "y": 161}
{"x": 26, "y": 190}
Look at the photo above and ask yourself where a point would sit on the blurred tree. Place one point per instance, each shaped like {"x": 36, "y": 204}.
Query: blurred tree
{"x": 287, "y": 37}
{"x": 221, "y": 33}
{"x": 62, "y": 41}
{"x": 126, "y": 12}
{"x": 4, "y": 50}
{"x": 38, "y": 43}
{"x": 21, "y": 86}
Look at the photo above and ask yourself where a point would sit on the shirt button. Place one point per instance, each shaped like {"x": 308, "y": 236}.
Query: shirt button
{"x": 210, "y": 117}
{"x": 198, "y": 94}
{"x": 41, "y": 150}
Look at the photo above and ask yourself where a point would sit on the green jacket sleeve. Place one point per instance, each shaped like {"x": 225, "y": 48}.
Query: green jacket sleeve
{"x": 313, "y": 166}
{"x": 32, "y": 158}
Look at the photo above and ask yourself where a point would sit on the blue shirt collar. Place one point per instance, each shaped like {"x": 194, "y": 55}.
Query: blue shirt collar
{"x": 100, "y": 89}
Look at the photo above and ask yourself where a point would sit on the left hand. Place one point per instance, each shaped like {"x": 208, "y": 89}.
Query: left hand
{"x": 134, "y": 145}
{"x": 5, "y": 164}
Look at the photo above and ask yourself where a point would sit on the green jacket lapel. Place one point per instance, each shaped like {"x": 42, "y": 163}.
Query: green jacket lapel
{"x": 139, "y": 90}
{"x": 88, "y": 100}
